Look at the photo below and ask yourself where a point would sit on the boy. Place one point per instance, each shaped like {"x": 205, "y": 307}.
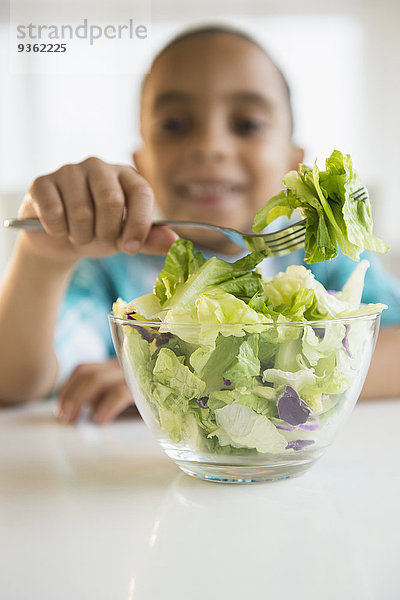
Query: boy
{"x": 216, "y": 126}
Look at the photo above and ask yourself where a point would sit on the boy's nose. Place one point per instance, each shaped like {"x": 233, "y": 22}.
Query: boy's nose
{"x": 211, "y": 144}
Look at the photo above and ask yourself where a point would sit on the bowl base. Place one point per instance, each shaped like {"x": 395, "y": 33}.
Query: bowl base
{"x": 244, "y": 474}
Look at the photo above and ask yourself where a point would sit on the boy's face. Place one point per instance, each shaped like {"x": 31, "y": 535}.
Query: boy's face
{"x": 216, "y": 133}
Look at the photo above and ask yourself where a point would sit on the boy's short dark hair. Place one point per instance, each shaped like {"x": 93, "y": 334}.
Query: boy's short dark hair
{"x": 228, "y": 30}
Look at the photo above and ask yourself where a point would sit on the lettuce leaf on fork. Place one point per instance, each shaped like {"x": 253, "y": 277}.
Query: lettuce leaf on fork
{"x": 335, "y": 218}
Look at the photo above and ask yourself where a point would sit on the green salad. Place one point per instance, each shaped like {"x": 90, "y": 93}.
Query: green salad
{"x": 231, "y": 362}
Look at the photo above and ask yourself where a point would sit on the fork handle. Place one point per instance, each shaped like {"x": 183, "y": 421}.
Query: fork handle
{"x": 32, "y": 224}
{"x": 35, "y": 224}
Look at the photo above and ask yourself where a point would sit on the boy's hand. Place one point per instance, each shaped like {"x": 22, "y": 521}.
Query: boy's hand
{"x": 93, "y": 209}
{"x": 99, "y": 386}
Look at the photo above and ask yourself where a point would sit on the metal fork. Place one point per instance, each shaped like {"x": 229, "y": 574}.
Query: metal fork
{"x": 278, "y": 243}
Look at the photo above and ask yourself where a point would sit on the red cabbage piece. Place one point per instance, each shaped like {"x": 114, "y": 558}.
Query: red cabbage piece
{"x": 146, "y": 334}
{"x": 345, "y": 340}
{"x": 307, "y": 427}
{"x": 201, "y": 403}
{"x": 291, "y": 408}
{"x": 299, "y": 444}
{"x": 163, "y": 338}
{"x": 149, "y": 334}
{"x": 285, "y": 427}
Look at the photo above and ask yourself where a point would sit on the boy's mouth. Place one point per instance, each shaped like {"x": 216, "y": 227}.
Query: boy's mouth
{"x": 209, "y": 191}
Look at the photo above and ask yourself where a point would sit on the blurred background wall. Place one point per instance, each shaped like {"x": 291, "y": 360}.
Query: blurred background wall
{"x": 342, "y": 61}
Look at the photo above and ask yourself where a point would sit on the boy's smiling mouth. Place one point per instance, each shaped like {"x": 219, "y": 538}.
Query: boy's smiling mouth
{"x": 209, "y": 191}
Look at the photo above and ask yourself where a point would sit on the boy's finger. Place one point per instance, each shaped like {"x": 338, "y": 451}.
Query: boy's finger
{"x": 108, "y": 199}
{"x": 139, "y": 209}
{"x": 47, "y": 202}
{"x": 85, "y": 385}
{"x": 112, "y": 403}
{"x": 77, "y": 202}
{"x": 159, "y": 240}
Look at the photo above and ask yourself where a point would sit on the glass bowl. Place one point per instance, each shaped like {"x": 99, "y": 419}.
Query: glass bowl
{"x": 245, "y": 402}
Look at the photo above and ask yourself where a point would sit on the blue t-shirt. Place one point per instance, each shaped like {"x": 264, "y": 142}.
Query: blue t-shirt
{"x": 83, "y": 334}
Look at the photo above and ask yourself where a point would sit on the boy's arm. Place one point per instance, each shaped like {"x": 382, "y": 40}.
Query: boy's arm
{"x": 31, "y": 292}
{"x": 89, "y": 209}
{"x": 383, "y": 379}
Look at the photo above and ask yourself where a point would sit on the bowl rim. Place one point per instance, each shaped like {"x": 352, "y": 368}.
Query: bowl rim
{"x": 342, "y": 320}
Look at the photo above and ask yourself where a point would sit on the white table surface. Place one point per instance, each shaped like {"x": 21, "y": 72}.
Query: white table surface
{"x": 101, "y": 513}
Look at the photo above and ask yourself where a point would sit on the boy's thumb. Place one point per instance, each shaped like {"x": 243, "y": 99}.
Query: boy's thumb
{"x": 159, "y": 240}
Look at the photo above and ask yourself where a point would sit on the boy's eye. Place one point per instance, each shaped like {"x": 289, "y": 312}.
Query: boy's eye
{"x": 176, "y": 125}
{"x": 248, "y": 126}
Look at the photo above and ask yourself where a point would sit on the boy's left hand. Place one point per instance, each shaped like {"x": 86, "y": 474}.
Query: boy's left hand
{"x": 99, "y": 386}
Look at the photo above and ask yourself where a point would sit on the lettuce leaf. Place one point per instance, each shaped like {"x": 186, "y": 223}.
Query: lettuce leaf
{"x": 262, "y": 399}
{"x": 233, "y": 362}
{"x": 239, "y": 426}
{"x": 214, "y": 272}
{"x": 170, "y": 371}
{"x": 213, "y": 311}
{"x": 281, "y": 290}
{"x": 181, "y": 261}
{"x": 314, "y": 347}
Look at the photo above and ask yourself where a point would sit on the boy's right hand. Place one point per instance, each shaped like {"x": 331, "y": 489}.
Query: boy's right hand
{"x": 93, "y": 209}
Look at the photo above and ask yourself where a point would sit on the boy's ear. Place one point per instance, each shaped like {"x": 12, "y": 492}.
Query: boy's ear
{"x": 297, "y": 157}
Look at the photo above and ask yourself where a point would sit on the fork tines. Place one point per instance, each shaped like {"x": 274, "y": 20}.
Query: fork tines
{"x": 360, "y": 194}
{"x": 295, "y": 237}
{"x": 285, "y": 233}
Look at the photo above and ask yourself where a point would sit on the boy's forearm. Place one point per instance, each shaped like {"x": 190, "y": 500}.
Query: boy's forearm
{"x": 31, "y": 292}
{"x": 383, "y": 379}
